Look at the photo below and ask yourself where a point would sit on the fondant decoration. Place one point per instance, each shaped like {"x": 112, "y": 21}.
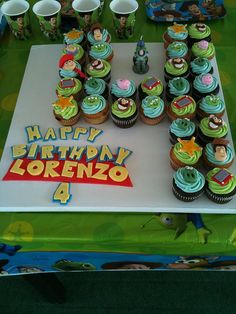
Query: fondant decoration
{"x": 67, "y": 265}
{"x": 74, "y": 34}
{"x": 91, "y": 152}
{"x": 140, "y": 58}
{"x": 222, "y": 177}
{"x": 105, "y": 154}
{"x": 203, "y": 44}
{"x": 18, "y": 151}
{"x": 67, "y": 63}
{"x": 10, "y": 250}
{"x": 220, "y": 149}
{"x": 124, "y": 104}
{"x": 214, "y": 122}
{"x": 77, "y": 153}
{"x": 33, "y": 133}
{"x": 96, "y": 65}
{"x": 123, "y": 84}
{"x": 207, "y": 79}
{"x": 50, "y": 135}
{"x": 79, "y": 131}
{"x": 50, "y": 169}
{"x": 93, "y": 134}
{"x": 179, "y": 223}
{"x": 189, "y": 146}
{"x": 122, "y": 155}
{"x": 62, "y": 193}
{"x": 178, "y": 28}
{"x": 64, "y": 102}
{"x": 64, "y": 131}
{"x": 16, "y": 168}
{"x": 47, "y": 152}
{"x": 33, "y": 151}
{"x": 35, "y": 168}
{"x": 178, "y": 63}
{"x": 63, "y": 152}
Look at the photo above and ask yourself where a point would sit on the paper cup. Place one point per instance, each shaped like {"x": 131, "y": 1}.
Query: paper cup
{"x": 87, "y": 12}
{"x": 17, "y": 16}
{"x": 124, "y": 12}
{"x": 49, "y": 17}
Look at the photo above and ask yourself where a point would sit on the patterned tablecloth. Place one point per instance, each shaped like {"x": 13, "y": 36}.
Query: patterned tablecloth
{"x": 82, "y": 241}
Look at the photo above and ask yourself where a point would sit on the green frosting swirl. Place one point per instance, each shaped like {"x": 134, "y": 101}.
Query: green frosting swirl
{"x": 101, "y": 72}
{"x": 216, "y": 187}
{"x": 185, "y": 110}
{"x": 68, "y": 112}
{"x": 66, "y": 92}
{"x": 220, "y": 132}
{"x": 196, "y": 34}
{"x": 203, "y": 53}
{"x": 78, "y": 54}
{"x": 121, "y": 113}
{"x": 185, "y": 157}
{"x": 171, "y": 69}
{"x": 155, "y": 91}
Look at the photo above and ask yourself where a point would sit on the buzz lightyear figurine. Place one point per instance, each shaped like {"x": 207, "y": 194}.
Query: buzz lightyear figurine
{"x": 140, "y": 58}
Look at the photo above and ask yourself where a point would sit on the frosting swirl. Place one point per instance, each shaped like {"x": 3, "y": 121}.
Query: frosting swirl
{"x": 67, "y": 112}
{"x": 185, "y": 157}
{"x": 76, "y": 50}
{"x": 200, "y": 85}
{"x": 203, "y": 52}
{"x": 171, "y": 69}
{"x": 92, "y": 40}
{"x": 71, "y": 90}
{"x": 177, "y": 49}
{"x": 200, "y": 66}
{"x": 212, "y": 104}
{"x": 94, "y": 86}
{"x": 217, "y": 188}
{"x": 179, "y": 86}
{"x": 187, "y": 186}
{"x": 196, "y": 33}
{"x": 119, "y": 92}
{"x": 99, "y": 72}
{"x": 123, "y": 113}
{"x": 220, "y": 132}
{"x": 184, "y": 110}
{"x": 210, "y": 154}
{"x": 100, "y": 51}
{"x": 182, "y": 127}
{"x": 74, "y": 37}
{"x": 93, "y": 104}
{"x": 177, "y": 31}
{"x": 153, "y": 106}
{"x": 155, "y": 91}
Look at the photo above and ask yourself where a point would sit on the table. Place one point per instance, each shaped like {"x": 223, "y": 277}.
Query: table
{"x": 108, "y": 233}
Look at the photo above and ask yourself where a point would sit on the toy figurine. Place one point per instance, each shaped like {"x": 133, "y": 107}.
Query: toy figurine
{"x": 140, "y": 58}
{"x": 179, "y": 223}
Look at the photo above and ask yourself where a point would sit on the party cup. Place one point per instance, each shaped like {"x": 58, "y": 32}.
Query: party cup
{"x": 124, "y": 12}
{"x": 49, "y": 17}
{"x": 87, "y": 12}
{"x": 17, "y": 16}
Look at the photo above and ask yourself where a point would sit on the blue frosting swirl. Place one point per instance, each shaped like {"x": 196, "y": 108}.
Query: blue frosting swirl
{"x": 179, "y": 36}
{"x": 67, "y": 73}
{"x": 92, "y": 40}
{"x": 103, "y": 53}
{"x": 199, "y": 86}
{"x": 210, "y": 154}
{"x": 89, "y": 107}
{"x": 187, "y": 128}
{"x": 153, "y": 106}
{"x": 189, "y": 187}
{"x": 203, "y": 68}
{"x": 179, "y": 91}
{"x": 119, "y": 92}
{"x": 177, "y": 49}
{"x": 212, "y": 104}
{"x": 77, "y": 40}
{"x": 98, "y": 89}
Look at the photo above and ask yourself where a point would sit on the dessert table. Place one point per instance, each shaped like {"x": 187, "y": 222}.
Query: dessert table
{"x": 90, "y": 236}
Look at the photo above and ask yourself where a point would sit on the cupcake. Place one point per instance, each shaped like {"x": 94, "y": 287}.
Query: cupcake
{"x": 176, "y": 87}
{"x": 99, "y": 69}
{"x": 182, "y": 107}
{"x": 203, "y": 85}
{"x": 95, "y": 109}
{"x": 76, "y": 51}
{"x": 101, "y": 51}
{"x": 123, "y": 88}
{"x": 75, "y": 36}
{"x": 220, "y": 185}
{"x": 124, "y": 112}
{"x": 184, "y": 129}
{"x": 188, "y": 184}
{"x": 150, "y": 86}
{"x": 69, "y": 68}
{"x": 177, "y": 49}
{"x": 176, "y": 67}
{"x": 210, "y": 104}
{"x": 176, "y": 32}
{"x": 66, "y": 110}
{"x": 185, "y": 153}
{"x": 210, "y": 128}
{"x": 200, "y": 66}
{"x": 152, "y": 110}
{"x": 218, "y": 154}
{"x": 96, "y": 86}
{"x": 98, "y": 34}
{"x": 198, "y": 32}
{"x": 70, "y": 87}
{"x": 203, "y": 49}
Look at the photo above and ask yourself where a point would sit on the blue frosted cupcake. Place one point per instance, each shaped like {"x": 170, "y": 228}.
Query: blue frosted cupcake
{"x": 152, "y": 110}
{"x": 188, "y": 184}
{"x": 176, "y": 87}
{"x": 98, "y": 34}
{"x": 204, "y": 85}
{"x": 95, "y": 109}
{"x": 184, "y": 129}
{"x": 102, "y": 51}
{"x": 75, "y": 36}
{"x": 200, "y": 66}
{"x": 210, "y": 104}
{"x": 177, "y": 50}
{"x": 123, "y": 88}
{"x": 96, "y": 86}
{"x": 219, "y": 154}
{"x": 176, "y": 32}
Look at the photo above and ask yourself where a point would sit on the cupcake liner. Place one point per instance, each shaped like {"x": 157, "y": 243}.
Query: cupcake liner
{"x": 125, "y": 123}
{"x": 68, "y": 122}
{"x": 183, "y": 196}
{"x": 219, "y": 199}
{"x": 151, "y": 121}
{"x": 97, "y": 118}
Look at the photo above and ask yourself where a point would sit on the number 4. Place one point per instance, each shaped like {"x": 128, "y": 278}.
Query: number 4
{"x": 62, "y": 193}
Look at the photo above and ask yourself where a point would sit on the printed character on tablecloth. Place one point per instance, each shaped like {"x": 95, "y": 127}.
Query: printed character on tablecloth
{"x": 194, "y": 10}
{"x": 140, "y": 58}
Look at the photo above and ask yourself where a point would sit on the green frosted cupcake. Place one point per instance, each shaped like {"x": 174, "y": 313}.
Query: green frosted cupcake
{"x": 70, "y": 87}
{"x": 198, "y": 32}
{"x": 221, "y": 185}
{"x": 203, "y": 49}
{"x": 210, "y": 128}
{"x": 66, "y": 110}
{"x": 150, "y": 86}
{"x": 99, "y": 69}
{"x": 176, "y": 67}
{"x": 182, "y": 107}
{"x": 124, "y": 112}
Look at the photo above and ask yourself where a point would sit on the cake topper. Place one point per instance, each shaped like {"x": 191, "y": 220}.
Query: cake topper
{"x": 124, "y": 104}
{"x": 189, "y": 146}
{"x": 220, "y": 149}
{"x": 178, "y": 63}
{"x": 140, "y": 58}
{"x": 97, "y": 30}
{"x": 96, "y": 65}
{"x": 67, "y": 63}
{"x": 214, "y": 122}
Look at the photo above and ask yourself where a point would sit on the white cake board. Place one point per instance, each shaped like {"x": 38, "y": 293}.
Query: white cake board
{"x": 148, "y": 166}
